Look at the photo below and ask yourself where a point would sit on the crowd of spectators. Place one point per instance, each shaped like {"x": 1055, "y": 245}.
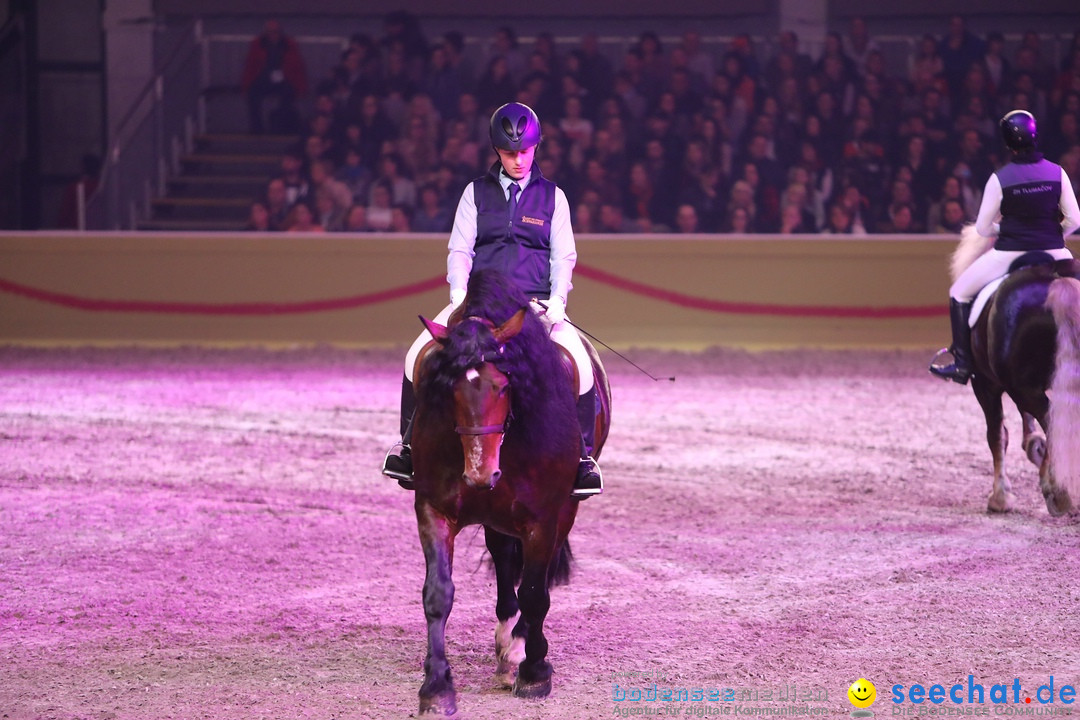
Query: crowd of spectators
{"x": 673, "y": 138}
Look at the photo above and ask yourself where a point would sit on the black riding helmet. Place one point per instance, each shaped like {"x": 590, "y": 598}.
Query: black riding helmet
{"x": 1019, "y": 131}
{"x": 515, "y": 127}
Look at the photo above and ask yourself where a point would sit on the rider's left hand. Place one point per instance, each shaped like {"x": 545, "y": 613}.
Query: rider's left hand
{"x": 556, "y": 310}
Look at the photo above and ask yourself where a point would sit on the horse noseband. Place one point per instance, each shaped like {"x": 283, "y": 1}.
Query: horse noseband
{"x": 482, "y": 429}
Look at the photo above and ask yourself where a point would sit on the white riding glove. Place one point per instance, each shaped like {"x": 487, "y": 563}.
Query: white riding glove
{"x": 457, "y": 297}
{"x": 556, "y": 310}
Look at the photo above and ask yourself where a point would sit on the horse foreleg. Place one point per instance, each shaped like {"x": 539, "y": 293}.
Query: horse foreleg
{"x": 1034, "y": 443}
{"x": 997, "y": 437}
{"x": 437, "y": 533}
{"x": 534, "y": 672}
{"x": 509, "y": 632}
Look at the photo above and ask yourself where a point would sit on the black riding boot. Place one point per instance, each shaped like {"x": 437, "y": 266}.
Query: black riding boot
{"x": 589, "y": 480}
{"x": 398, "y": 462}
{"x": 960, "y": 369}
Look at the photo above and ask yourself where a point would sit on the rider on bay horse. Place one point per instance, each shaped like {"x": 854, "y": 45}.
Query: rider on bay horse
{"x": 515, "y": 220}
{"x": 1038, "y": 210}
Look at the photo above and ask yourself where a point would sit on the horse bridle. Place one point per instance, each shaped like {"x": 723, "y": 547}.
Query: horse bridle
{"x": 487, "y": 357}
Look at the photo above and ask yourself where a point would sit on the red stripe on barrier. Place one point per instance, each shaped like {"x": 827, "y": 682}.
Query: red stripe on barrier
{"x": 631, "y": 286}
{"x": 192, "y": 308}
{"x": 745, "y": 308}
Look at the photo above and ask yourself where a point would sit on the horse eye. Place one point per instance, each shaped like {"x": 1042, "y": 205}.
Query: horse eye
{"x": 472, "y": 375}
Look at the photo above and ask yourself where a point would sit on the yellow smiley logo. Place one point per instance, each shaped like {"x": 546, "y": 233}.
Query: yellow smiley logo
{"x": 862, "y": 693}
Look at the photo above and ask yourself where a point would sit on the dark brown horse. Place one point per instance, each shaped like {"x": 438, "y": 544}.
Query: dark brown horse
{"x": 1026, "y": 343}
{"x": 496, "y": 442}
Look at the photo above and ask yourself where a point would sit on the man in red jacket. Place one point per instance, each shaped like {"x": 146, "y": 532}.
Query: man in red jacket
{"x": 274, "y": 66}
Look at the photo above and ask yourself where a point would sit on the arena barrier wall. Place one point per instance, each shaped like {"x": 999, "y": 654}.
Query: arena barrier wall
{"x": 678, "y": 292}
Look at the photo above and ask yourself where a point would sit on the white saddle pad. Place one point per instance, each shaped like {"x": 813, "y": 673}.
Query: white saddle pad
{"x": 982, "y": 298}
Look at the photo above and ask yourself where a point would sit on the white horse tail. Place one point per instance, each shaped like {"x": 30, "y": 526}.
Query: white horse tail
{"x": 971, "y": 248}
{"x": 1063, "y": 300}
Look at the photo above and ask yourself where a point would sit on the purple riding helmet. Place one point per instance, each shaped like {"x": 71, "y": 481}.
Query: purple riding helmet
{"x": 1019, "y": 131}
{"x": 515, "y": 127}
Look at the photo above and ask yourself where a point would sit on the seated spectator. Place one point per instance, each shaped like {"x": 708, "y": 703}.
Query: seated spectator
{"x": 686, "y": 219}
{"x": 858, "y": 45}
{"x": 277, "y": 203}
{"x": 953, "y": 218}
{"x": 392, "y": 175}
{"x": 328, "y": 213}
{"x": 301, "y": 219}
{"x": 460, "y": 149}
{"x": 613, "y": 221}
{"x": 443, "y": 82}
{"x": 959, "y": 49}
{"x": 640, "y": 200}
{"x": 495, "y": 87}
{"x": 741, "y": 197}
{"x": 400, "y": 219}
{"x": 354, "y": 174}
{"x": 432, "y": 216}
{"x": 294, "y": 176}
{"x": 258, "y": 217}
{"x": 380, "y": 214}
{"x": 797, "y": 194}
{"x": 900, "y": 219}
{"x": 324, "y": 183}
{"x": 858, "y": 208}
{"x": 793, "y": 221}
{"x": 997, "y": 67}
{"x": 840, "y": 220}
{"x": 356, "y": 220}
{"x": 575, "y": 127}
{"x": 738, "y": 222}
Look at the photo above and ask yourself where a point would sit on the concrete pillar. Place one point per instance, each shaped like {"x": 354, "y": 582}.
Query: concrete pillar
{"x": 129, "y": 55}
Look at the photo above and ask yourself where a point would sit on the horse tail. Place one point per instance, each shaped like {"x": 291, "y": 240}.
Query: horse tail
{"x": 971, "y": 247}
{"x": 1063, "y": 300}
{"x": 558, "y": 571}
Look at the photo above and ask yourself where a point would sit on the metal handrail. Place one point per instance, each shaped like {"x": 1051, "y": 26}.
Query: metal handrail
{"x": 146, "y": 107}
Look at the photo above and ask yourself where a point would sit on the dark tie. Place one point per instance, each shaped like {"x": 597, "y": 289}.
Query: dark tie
{"x": 514, "y": 190}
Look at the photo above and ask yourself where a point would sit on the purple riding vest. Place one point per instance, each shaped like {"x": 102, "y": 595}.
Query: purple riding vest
{"x": 1030, "y": 200}
{"x": 520, "y": 247}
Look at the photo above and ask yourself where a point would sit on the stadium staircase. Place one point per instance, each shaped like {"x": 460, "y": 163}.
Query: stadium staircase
{"x": 217, "y": 183}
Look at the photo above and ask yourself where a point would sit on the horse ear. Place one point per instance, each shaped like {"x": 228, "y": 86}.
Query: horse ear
{"x": 511, "y": 327}
{"x": 437, "y": 331}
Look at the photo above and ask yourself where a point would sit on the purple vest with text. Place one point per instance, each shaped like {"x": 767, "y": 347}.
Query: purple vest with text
{"x": 520, "y": 247}
{"x": 1030, "y": 212}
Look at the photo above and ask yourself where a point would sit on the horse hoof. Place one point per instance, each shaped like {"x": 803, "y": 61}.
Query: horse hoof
{"x": 443, "y": 704}
{"x": 1001, "y": 503}
{"x": 506, "y": 672}
{"x": 532, "y": 690}
{"x": 1059, "y": 503}
{"x": 504, "y": 680}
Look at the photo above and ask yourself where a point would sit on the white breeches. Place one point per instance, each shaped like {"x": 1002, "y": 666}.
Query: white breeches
{"x": 564, "y": 334}
{"x": 989, "y": 267}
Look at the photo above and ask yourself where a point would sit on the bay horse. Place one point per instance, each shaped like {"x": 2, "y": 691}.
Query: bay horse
{"x": 496, "y": 442}
{"x": 1026, "y": 343}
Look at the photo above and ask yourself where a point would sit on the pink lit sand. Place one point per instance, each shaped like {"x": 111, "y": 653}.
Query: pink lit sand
{"x": 205, "y": 534}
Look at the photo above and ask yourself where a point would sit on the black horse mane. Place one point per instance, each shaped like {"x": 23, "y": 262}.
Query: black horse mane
{"x": 530, "y": 359}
